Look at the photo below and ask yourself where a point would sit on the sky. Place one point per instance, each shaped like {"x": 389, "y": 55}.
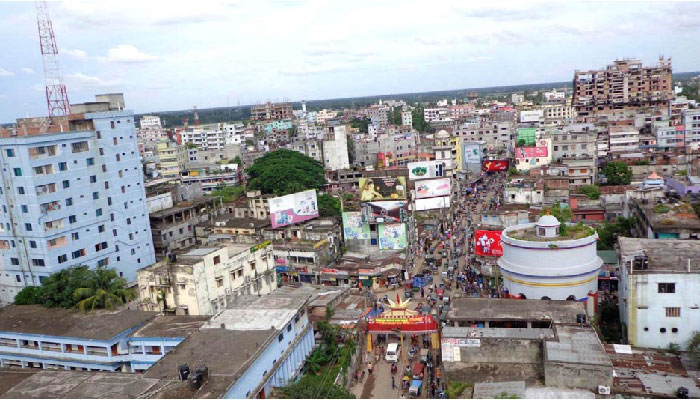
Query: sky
{"x": 176, "y": 54}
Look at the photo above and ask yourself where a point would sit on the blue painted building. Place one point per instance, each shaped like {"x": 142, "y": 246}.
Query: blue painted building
{"x": 72, "y": 194}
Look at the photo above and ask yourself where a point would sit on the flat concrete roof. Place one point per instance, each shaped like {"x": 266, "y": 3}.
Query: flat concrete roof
{"x": 227, "y": 354}
{"x": 172, "y": 326}
{"x": 665, "y": 256}
{"x": 95, "y": 325}
{"x": 500, "y": 333}
{"x": 576, "y": 345}
{"x": 259, "y": 313}
{"x": 495, "y": 389}
{"x": 487, "y": 309}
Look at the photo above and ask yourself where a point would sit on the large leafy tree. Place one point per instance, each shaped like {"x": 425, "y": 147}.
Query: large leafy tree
{"x": 328, "y": 206}
{"x": 609, "y": 232}
{"x": 104, "y": 290}
{"x": 617, "y": 173}
{"x": 284, "y": 171}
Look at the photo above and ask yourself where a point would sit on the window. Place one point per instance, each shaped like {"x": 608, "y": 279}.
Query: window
{"x": 101, "y": 228}
{"x": 18, "y": 171}
{"x": 71, "y": 219}
{"x": 25, "y": 209}
{"x": 289, "y": 328}
{"x": 118, "y": 158}
{"x": 78, "y": 253}
{"x": 14, "y": 261}
{"x": 93, "y": 179}
{"x": 28, "y": 227}
{"x": 37, "y": 262}
{"x": 102, "y": 151}
{"x": 75, "y": 236}
{"x": 32, "y": 244}
{"x": 114, "y": 140}
{"x": 662, "y": 330}
{"x": 90, "y": 161}
{"x": 69, "y": 201}
{"x": 104, "y": 168}
{"x": 131, "y": 236}
{"x": 114, "y": 232}
{"x": 280, "y": 337}
{"x": 79, "y": 147}
{"x": 667, "y": 288}
{"x": 10, "y": 152}
{"x": 99, "y": 134}
{"x": 674, "y": 330}
{"x": 95, "y": 195}
{"x": 217, "y": 259}
{"x": 66, "y": 184}
{"x": 20, "y": 189}
{"x": 62, "y": 166}
{"x": 109, "y": 201}
{"x": 128, "y": 221}
{"x": 673, "y": 311}
{"x": 123, "y": 189}
{"x": 43, "y": 170}
{"x": 106, "y": 185}
{"x": 98, "y": 212}
{"x": 111, "y": 124}
{"x": 18, "y": 278}
{"x": 62, "y": 258}
{"x": 219, "y": 282}
{"x": 100, "y": 246}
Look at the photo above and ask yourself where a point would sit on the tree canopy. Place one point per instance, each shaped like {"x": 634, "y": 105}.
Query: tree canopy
{"x": 617, "y": 173}
{"x": 418, "y": 119}
{"x": 328, "y": 206}
{"x": 609, "y": 231}
{"x": 285, "y": 171}
{"x": 78, "y": 287}
{"x": 228, "y": 194}
{"x": 591, "y": 191}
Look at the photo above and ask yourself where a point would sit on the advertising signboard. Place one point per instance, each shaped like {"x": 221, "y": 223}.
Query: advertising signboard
{"x": 383, "y": 188}
{"x": 293, "y": 208}
{"x": 425, "y": 169}
{"x": 354, "y": 226}
{"x": 385, "y": 211}
{"x": 432, "y": 203}
{"x": 392, "y": 236}
{"x": 417, "y": 323}
{"x": 495, "y": 165}
{"x": 433, "y": 188}
{"x": 488, "y": 243}
{"x": 471, "y": 156}
{"x": 531, "y": 152}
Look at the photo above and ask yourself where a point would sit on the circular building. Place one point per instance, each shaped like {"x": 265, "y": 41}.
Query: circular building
{"x": 547, "y": 261}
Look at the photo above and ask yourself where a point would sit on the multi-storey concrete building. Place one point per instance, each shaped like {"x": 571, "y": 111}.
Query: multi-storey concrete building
{"x": 379, "y": 115}
{"x": 170, "y": 158}
{"x": 659, "y": 291}
{"x": 623, "y": 139}
{"x": 622, "y": 85}
{"x": 335, "y": 148}
{"x": 150, "y": 121}
{"x": 407, "y": 118}
{"x": 308, "y": 147}
{"x": 268, "y": 111}
{"x": 72, "y": 194}
{"x": 691, "y": 122}
{"x": 173, "y": 228}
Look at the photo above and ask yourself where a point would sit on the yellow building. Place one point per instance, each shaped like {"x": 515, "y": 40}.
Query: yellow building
{"x": 171, "y": 159}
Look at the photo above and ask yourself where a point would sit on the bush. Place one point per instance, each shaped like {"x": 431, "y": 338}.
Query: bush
{"x": 29, "y": 295}
{"x": 591, "y": 191}
{"x": 694, "y": 348}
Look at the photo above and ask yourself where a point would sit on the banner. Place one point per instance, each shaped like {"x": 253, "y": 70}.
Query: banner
{"x": 417, "y": 323}
{"x": 488, "y": 243}
{"x": 354, "y": 227}
{"x": 385, "y": 211}
{"x": 540, "y": 150}
{"x": 495, "y": 165}
{"x": 433, "y": 188}
{"x": 392, "y": 236}
{"x": 471, "y": 153}
{"x": 293, "y": 208}
{"x": 432, "y": 203}
{"x": 425, "y": 169}
{"x": 383, "y": 188}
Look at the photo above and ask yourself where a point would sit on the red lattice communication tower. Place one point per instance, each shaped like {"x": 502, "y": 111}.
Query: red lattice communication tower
{"x": 56, "y": 94}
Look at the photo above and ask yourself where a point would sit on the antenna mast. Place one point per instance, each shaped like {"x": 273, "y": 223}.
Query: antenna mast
{"x": 56, "y": 93}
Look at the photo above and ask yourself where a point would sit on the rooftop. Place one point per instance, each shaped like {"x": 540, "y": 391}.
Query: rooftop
{"x": 528, "y": 232}
{"x": 498, "y": 333}
{"x": 486, "y": 309}
{"x": 251, "y": 312}
{"x": 172, "y": 326}
{"x": 184, "y": 205}
{"x": 665, "y": 256}
{"x": 576, "y": 345}
{"x": 670, "y": 215}
{"x": 95, "y": 325}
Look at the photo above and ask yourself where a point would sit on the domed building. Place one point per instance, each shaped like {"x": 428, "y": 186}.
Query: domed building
{"x": 545, "y": 260}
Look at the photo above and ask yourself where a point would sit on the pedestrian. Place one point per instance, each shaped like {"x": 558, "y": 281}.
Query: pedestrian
{"x": 393, "y": 384}
{"x": 369, "y": 367}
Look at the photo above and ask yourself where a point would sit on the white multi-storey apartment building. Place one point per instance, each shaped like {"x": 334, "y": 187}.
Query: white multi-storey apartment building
{"x": 72, "y": 196}
{"x": 150, "y": 122}
{"x": 407, "y": 118}
{"x": 207, "y": 139}
{"x": 335, "y": 148}
{"x": 623, "y": 139}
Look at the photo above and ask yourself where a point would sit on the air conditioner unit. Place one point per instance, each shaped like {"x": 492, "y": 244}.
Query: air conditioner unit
{"x": 603, "y": 389}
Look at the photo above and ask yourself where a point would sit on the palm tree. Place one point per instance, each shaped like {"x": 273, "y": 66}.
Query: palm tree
{"x": 104, "y": 290}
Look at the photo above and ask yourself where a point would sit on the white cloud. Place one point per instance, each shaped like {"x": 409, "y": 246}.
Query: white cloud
{"x": 125, "y": 53}
{"x": 27, "y": 70}
{"x": 6, "y": 73}
{"x": 82, "y": 82}
{"x": 76, "y": 53}
{"x": 38, "y": 88}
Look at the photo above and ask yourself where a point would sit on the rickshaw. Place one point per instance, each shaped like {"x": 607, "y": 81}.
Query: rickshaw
{"x": 415, "y": 389}
{"x": 440, "y": 293}
{"x": 418, "y": 370}
{"x": 405, "y": 382}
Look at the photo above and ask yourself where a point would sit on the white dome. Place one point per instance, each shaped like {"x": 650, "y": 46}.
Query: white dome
{"x": 548, "y": 220}
{"x": 443, "y": 133}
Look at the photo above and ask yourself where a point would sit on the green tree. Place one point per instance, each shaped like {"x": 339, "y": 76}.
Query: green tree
{"x": 563, "y": 214}
{"x": 418, "y": 119}
{"x": 105, "y": 290}
{"x": 236, "y": 160}
{"x": 609, "y": 232}
{"x": 228, "y": 194}
{"x": 395, "y": 116}
{"x": 361, "y": 124}
{"x": 521, "y": 142}
{"x": 284, "y": 171}
{"x": 29, "y": 295}
{"x": 617, "y": 173}
{"x": 694, "y": 348}
{"x": 513, "y": 171}
{"x": 328, "y": 206}
{"x": 591, "y": 191}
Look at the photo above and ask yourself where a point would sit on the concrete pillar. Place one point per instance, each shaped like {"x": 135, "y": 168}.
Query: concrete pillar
{"x": 40, "y": 347}
{"x": 63, "y": 347}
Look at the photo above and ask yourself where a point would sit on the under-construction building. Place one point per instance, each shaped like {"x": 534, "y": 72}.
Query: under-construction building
{"x": 626, "y": 84}
{"x": 271, "y": 111}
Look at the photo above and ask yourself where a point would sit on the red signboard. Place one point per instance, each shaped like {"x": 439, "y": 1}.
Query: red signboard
{"x": 488, "y": 243}
{"x": 419, "y": 323}
{"x": 531, "y": 152}
{"x": 494, "y": 165}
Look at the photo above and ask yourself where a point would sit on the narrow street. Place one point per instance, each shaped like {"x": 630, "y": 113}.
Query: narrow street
{"x": 465, "y": 280}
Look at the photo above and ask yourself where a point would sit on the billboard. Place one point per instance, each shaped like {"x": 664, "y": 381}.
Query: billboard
{"x": 433, "y": 188}
{"x": 488, "y": 243}
{"x": 293, "y": 208}
{"x": 383, "y": 188}
{"x": 432, "y": 203}
{"x": 407, "y": 323}
{"x": 425, "y": 169}
{"x": 495, "y": 165}
{"x": 531, "y": 152}
{"x": 354, "y": 226}
{"x": 471, "y": 156}
{"x": 392, "y": 236}
{"x": 385, "y": 211}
